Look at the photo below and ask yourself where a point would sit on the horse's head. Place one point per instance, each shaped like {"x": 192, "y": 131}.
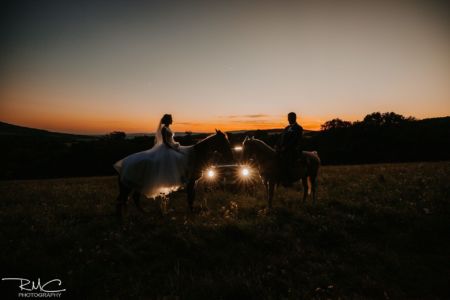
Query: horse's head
{"x": 220, "y": 143}
{"x": 247, "y": 148}
{"x": 256, "y": 149}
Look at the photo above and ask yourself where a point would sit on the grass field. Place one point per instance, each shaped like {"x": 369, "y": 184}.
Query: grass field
{"x": 377, "y": 232}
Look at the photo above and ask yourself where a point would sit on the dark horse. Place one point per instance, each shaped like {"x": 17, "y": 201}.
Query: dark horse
{"x": 270, "y": 167}
{"x": 200, "y": 155}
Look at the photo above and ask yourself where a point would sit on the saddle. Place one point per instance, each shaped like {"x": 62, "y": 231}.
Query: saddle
{"x": 292, "y": 167}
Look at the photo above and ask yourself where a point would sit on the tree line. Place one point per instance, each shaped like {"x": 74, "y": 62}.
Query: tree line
{"x": 378, "y": 138}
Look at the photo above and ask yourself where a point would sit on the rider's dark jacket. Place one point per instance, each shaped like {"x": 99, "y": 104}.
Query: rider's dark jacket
{"x": 291, "y": 138}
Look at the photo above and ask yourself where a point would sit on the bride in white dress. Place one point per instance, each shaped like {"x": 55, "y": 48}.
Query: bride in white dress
{"x": 159, "y": 170}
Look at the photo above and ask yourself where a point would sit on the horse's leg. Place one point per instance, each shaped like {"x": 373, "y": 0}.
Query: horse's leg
{"x": 191, "y": 194}
{"x": 314, "y": 186}
{"x": 266, "y": 187}
{"x": 312, "y": 178}
{"x": 163, "y": 204}
{"x": 122, "y": 199}
{"x": 137, "y": 201}
{"x": 305, "y": 187}
{"x": 270, "y": 192}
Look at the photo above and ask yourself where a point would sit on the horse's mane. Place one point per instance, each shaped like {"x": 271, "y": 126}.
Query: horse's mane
{"x": 211, "y": 136}
{"x": 205, "y": 139}
{"x": 202, "y": 142}
{"x": 261, "y": 145}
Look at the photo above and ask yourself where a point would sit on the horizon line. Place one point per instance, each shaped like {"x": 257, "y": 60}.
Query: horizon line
{"x": 306, "y": 128}
{"x": 135, "y": 132}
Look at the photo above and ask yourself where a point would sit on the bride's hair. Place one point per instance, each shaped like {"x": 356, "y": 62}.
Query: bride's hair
{"x": 158, "y": 135}
{"x": 166, "y": 119}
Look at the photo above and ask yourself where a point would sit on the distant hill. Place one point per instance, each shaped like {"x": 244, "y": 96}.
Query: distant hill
{"x": 16, "y": 130}
{"x": 7, "y": 129}
{"x": 35, "y": 153}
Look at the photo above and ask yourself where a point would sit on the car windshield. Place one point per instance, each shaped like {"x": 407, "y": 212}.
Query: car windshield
{"x": 218, "y": 159}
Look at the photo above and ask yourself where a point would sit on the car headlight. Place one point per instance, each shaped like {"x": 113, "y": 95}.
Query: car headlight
{"x": 245, "y": 172}
{"x": 210, "y": 173}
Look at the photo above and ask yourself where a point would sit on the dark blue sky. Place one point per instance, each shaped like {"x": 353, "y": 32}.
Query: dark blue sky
{"x": 96, "y": 66}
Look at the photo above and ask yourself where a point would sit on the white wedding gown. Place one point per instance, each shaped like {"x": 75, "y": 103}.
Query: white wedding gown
{"x": 159, "y": 170}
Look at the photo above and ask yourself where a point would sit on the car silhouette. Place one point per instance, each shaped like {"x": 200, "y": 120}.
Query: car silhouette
{"x": 234, "y": 176}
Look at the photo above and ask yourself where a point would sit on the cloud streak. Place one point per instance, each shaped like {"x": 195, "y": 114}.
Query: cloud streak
{"x": 254, "y": 116}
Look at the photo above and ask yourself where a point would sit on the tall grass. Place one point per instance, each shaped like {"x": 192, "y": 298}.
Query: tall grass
{"x": 376, "y": 232}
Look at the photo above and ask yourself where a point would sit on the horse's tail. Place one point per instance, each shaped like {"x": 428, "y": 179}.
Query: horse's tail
{"x": 309, "y": 185}
{"x": 316, "y": 155}
{"x": 313, "y": 170}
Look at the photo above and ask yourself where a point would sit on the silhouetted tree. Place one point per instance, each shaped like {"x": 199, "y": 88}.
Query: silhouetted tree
{"x": 117, "y": 136}
{"x": 391, "y": 118}
{"x": 335, "y": 124}
{"x": 386, "y": 119}
{"x": 373, "y": 119}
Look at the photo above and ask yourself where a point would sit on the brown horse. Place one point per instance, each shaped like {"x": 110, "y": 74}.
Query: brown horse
{"x": 201, "y": 153}
{"x": 270, "y": 168}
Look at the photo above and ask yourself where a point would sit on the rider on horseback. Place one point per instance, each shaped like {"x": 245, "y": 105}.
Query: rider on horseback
{"x": 289, "y": 148}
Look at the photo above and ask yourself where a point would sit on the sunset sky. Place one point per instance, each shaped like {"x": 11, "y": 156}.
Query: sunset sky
{"x": 99, "y": 66}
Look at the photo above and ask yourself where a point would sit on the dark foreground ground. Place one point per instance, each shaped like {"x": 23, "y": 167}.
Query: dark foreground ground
{"x": 377, "y": 232}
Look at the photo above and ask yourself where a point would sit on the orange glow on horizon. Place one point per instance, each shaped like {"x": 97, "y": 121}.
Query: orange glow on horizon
{"x": 68, "y": 124}
{"x": 38, "y": 107}
{"x": 41, "y": 107}
{"x": 80, "y": 118}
